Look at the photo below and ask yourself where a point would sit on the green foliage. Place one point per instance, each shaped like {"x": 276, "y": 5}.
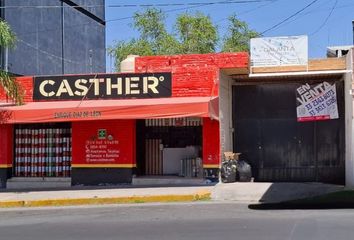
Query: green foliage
{"x": 154, "y": 39}
{"x": 196, "y": 33}
{"x": 122, "y": 49}
{"x": 238, "y": 36}
{"x": 150, "y": 24}
{"x": 7, "y": 37}
{"x": 193, "y": 33}
{"x": 11, "y": 87}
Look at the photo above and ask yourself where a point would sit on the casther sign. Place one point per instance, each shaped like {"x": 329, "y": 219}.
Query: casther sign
{"x": 102, "y": 86}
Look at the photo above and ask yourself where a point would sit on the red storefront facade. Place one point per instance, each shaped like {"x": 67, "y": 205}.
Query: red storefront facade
{"x": 105, "y": 144}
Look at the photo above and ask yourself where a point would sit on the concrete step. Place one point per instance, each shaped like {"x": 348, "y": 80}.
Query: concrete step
{"x": 167, "y": 180}
{"x": 34, "y": 182}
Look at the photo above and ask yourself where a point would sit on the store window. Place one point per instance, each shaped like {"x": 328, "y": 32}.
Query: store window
{"x": 173, "y": 146}
{"x": 42, "y": 150}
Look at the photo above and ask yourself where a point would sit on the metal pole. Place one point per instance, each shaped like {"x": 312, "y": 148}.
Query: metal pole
{"x": 6, "y": 62}
{"x": 62, "y": 38}
{"x": 353, "y": 30}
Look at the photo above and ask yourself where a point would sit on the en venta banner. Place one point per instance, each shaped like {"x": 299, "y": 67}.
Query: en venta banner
{"x": 316, "y": 102}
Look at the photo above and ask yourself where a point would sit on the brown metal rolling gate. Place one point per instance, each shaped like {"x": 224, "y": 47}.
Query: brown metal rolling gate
{"x": 153, "y": 156}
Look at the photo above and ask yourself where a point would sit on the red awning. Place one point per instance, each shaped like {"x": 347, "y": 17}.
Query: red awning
{"x": 65, "y": 111}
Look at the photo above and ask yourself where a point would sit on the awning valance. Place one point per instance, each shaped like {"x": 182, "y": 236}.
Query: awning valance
{"x": 67, "y": 111}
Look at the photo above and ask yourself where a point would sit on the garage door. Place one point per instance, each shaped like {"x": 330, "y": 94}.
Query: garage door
{"x": 278, "y": 147}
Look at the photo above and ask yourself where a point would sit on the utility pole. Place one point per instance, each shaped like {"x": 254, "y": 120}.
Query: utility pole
{"x": 353, "y": 30}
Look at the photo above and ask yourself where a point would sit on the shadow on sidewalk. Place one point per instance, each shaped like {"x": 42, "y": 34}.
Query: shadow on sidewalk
{"x": 294, "y": 206}
{"x": 334, "y": 200}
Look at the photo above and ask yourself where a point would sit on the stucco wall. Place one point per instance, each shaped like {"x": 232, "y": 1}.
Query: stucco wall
{"x": 225, "y": 113}
{"x": 349, "y": 129}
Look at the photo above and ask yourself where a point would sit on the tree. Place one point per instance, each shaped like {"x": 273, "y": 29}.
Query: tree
{"x": 192, "y": 33}
{"x": 238, "y": 36}
{"x": 153, "y": 40}
{"x": 196, "y": 33}
{"x": 11, "y": 87}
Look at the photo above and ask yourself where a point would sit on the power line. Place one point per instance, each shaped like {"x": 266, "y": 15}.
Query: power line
{"x": 325, "y": 21}
{"x": 291, "y": 16}
{"x": 166, "y": 11}
{"x": 49, "y": 7}
{"x": 317, "y": 10}
{"x": 47, "y": 53}
{"x": 53, "y": 55}
{"x": 139, "y": 5}
{"x": 118, "y": 19}
{"x": 249, "y": 10}
{"x": 307, "y": 13}
{"x": 185, "y": 4}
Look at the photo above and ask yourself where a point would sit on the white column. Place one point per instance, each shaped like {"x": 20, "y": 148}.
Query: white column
{"x": 349, "y": 128}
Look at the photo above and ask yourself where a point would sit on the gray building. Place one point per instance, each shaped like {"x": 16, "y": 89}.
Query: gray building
{"x": 55, "y": 36}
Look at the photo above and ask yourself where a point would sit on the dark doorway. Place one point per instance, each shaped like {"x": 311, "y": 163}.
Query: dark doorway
{"x": 156, "y": 135}
{"x": 277, "y": 146}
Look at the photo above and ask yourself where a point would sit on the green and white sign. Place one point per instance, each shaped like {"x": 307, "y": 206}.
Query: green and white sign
{"x": 101, "y": 133}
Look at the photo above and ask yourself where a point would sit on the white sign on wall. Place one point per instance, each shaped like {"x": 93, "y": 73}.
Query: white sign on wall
{"x": 316, "y": 102}
{"x": 279, "y": 51}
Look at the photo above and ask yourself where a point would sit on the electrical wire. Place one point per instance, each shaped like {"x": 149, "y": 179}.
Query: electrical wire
{"x": 291, "y": 16}
{"x": 185, "y": 4}
{"x": 197, "y": 5}
{"x": 326, "y": 20}
{"x": 171, "y": 10}
{"x": 70, "y": 61}
{"x": 55, "y": 56}
{"x": 49, "y": 7}
{"x": 306, "y": 13}
{"x": 47, "y": 53}
{"x": 139, "y": 5}
{"x": 249, "y": 10}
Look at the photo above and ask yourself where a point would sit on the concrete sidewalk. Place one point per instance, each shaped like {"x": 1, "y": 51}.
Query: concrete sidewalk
{"x": 241, "y": 192}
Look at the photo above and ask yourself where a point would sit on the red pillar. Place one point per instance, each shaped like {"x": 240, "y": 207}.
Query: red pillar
{"x": 6, "y": 145}
{"x": 6, "y": 153}
{"x": 211, "y": 143}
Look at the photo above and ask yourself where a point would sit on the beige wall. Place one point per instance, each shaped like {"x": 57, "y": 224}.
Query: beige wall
{"x": 225, "y": 113}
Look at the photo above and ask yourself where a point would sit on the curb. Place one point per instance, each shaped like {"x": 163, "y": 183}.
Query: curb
{"x": 199, "y": 196}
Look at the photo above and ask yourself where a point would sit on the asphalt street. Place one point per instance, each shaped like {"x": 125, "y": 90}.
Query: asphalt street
{"x": 174, "y": 221}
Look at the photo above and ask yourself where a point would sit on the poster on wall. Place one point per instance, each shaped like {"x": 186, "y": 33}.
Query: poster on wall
{"x": 316, "y": 102}
{"x": 279, "y": 51}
